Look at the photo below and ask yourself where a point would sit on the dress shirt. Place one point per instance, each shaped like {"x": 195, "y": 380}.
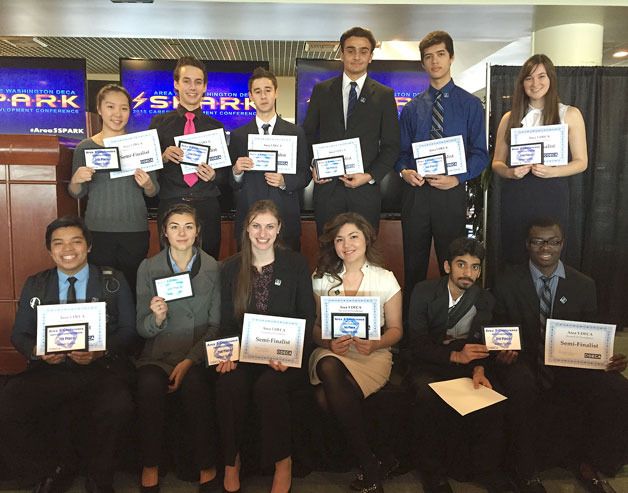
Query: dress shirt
{"x": 463, "y": 115}
{"x": 538, "y": 282}
{"x": 259, "y": 122}
{"x": 80, "y": 286}
{"x": 346, "y": 88}
{"x": 175, "y": 267}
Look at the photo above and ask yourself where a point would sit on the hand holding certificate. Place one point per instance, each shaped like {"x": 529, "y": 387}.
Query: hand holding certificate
{"x": 285, "y": 145}
{"x": 502, "y": 338}
{"x": 175, "y": 287}
{"x": 222, "y": 350}
{"x": 452, "y": 147}
{"x": 266, "y": 338}
{"x": 349, "y": 148}
{"x": 194, "y": 154}
{"x": 578, "y": 344}
{"x": 136, "y": 150}
{"x": 218, "y": 151}
{"x": 350, "y": 315}
{"x": 105, "y": 159}
{"x": 264, "y": 160}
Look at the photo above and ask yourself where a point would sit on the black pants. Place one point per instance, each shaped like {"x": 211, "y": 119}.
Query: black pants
{"x": 427, "y": 212}
{"x": 442, "y": 432}
{"x": 122, "y": 251}
{"x": 601, "y": 397}
{"x": 196, "y": 404}
{"x": 331, "y": 199}
{"x": 270, "y": 391}
{"x": 208, "y": 212}
{"x": 48, "y": 409}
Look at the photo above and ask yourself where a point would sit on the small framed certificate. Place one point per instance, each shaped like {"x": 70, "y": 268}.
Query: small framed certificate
{"x": 66, "y": 338}
{"x": 266, "y": 338}
{"x": 578, "y": 344}
{"x": 500, "y": 338}
{"x": 194, "y": 154}
{"x": 222, "y": 350}
{"x": 436, "y": 164}
{"x": 264, "y": 160}
{"x": 330, "y": 167}
{"x": 350, "y": 324}
{"x": 523, "y": 154}
{"x": 176, "y": 287}
{"x": 105, "y": 159}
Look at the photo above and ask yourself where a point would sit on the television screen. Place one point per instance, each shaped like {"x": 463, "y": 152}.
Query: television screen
{"x": 151, "y": 87}
{"x": 42, "y": 96}
{"x": 407, "y": 78}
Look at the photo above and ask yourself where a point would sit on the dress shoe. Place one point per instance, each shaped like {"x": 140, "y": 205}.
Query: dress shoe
{"x": 435, "y": 483}
{"x": 209, "y": 486}
{"x": 531, "y": 485}
{"x": 58, "y": 482}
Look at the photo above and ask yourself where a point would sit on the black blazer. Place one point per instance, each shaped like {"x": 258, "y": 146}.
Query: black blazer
{"x": 518, "y": 304}
{"x": 427, "y": 325}
{"x": 374, "y": 120}
{"x": 253, "y": 186}
{"x": 290, "y": 295}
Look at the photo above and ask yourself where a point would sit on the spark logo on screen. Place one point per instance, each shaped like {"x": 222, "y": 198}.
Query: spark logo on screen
{"x": 63, "y": 99}
{"x": 213, "y": 103}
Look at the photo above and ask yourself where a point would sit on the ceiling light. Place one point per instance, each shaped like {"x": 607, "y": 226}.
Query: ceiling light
{"x": 620, "y": 54}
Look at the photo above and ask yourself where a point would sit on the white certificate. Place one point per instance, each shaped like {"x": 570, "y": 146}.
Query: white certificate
{"x": 502, "y": 338}
{"x": 452, "y": 147}
{"x": 222, "y": 350}
{"x": 218, "y": 150}
{"x": 335, "y": 305}
{"x": 176, "y": 287}
{"x": 349, "y": 148}
{"x": 136, "y": 150}
{"x": 285, "y": 145}
{"x": 578, "y": 344}
{"x": 93, "y": 314}
{"x": 460, "y": 394}
{"x": 266, "y": 338}
{"x": 554, "y": 138}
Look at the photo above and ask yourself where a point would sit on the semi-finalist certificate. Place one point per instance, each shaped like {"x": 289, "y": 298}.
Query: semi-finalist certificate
{"x": 266, "y": 338}
{"x": 578, "y": 344}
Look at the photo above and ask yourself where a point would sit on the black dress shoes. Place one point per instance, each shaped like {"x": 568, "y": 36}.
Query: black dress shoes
{"x": 58, "y": 482}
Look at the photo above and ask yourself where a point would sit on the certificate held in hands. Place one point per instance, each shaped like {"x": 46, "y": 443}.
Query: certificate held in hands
{"x": 221, "y": 350}
{"x": 266, "y": 338}
{"x": 578, "y": 344}
{"x": 176, "y": 287}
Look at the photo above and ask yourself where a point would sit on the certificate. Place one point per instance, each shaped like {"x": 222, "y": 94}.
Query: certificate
{"x": 350, "y": 305}
{"x": 136, "y": 150}
{"x": 436, "y": 164}
{"x": 452, "y": 147}
{"x": 264, "y": 160}
{"x": 554, "y": 138}
{"x": 222, "y": 350}
{"x": 349, "y": 148}
{"x": 350, "y": 324}
{"x": 285, "y": 145}
{"x": 498, "y": 338}
{"x": 266, "y": 338}
{"x": 217, "y": 143}
{"x": 176, "y": 287}
{"x": 92, "y": 314}
{"x": 330, "y": 167}
{"x": 523, "y": 154}
{"x": 65, "y": 338}
{"x": 193, "y": 154}
{"x": 578, "y": 344}
{"x": 105, "y": 159}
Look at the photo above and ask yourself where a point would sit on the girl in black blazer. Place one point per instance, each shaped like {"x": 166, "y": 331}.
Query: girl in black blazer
{"x": 265, "y": 279}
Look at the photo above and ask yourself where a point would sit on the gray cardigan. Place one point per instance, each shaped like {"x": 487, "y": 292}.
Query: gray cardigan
{"x": 189, "y": 323}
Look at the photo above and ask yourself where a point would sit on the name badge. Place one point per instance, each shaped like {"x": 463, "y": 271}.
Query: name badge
{"x": 502, "y": 338}
{"x": 66, "y": 338}
{"x": 176, "y": 287}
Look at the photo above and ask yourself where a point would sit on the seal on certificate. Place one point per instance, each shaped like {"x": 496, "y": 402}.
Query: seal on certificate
{"x": 502, "y": 338}
{"x": 66, "y": 338}
{"x": 101, "y": 158}
{"x": 525, "y": 154}
{"x": 193, "y": 153}
{"x": 349, "y": 326}
{"x": 223, "y": 350}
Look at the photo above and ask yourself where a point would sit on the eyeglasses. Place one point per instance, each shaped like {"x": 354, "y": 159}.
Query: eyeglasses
{"x": 540, "y": 242}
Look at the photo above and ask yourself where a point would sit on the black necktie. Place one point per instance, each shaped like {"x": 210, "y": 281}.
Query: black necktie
{"x": 436, "y": 132}
{"x": 71, "y": 296}
{"x": 353, "y": 98}
{"x": 545, "y": 311}
{"x": 265, "y": 128}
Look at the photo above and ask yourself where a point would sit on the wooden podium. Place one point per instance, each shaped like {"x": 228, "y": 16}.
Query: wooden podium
{"x": 34, "y": 173}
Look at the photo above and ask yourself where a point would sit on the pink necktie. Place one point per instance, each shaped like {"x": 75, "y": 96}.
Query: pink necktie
{"x": 189, "y": 128}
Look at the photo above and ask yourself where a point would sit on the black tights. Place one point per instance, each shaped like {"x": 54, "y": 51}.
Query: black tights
{"x": 340, "y": 395}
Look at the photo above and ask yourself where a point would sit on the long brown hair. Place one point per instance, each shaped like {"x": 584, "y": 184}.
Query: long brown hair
{"x": 328, "y": 260}
{"x": 242, "y": 289}
{"x": 520, "y": 100}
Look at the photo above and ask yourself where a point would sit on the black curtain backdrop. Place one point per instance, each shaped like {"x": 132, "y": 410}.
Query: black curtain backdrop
{"x": 597, "y": 240}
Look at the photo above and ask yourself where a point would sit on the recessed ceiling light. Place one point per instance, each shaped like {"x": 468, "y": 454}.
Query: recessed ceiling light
{"x": 620, "y": 54}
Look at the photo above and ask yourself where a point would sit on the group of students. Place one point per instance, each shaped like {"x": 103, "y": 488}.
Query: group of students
{"x": 38, "y": 407}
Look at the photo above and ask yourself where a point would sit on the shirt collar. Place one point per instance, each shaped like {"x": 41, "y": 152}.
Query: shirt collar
{"x": 188, "y": 268}
{"x": 259, "y": 122}
{"x": 537, "y": 274}
{"x": 365, "y": 267}
{"x": 346, "y": 81}
{"x": 81, "y": 276}
{"x": 182, "y": 110}
{"x": 446, "y": 89}
{"x": 453, "y": 302}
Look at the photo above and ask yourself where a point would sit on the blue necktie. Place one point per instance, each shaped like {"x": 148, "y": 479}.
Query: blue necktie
{"x": 545, "y": 311}
{"x": 436, "y": 132}
{"x": 353, "y": 99}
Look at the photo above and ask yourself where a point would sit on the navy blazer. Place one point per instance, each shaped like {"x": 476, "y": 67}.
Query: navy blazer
{"x": 253, "y": 186}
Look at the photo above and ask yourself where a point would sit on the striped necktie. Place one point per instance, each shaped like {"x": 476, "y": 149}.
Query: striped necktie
{"x": 436, "y": 132}
{"x": 353, "y": 99}
{"x": 265, "y": 128}
{"x": 545, "y": 311}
